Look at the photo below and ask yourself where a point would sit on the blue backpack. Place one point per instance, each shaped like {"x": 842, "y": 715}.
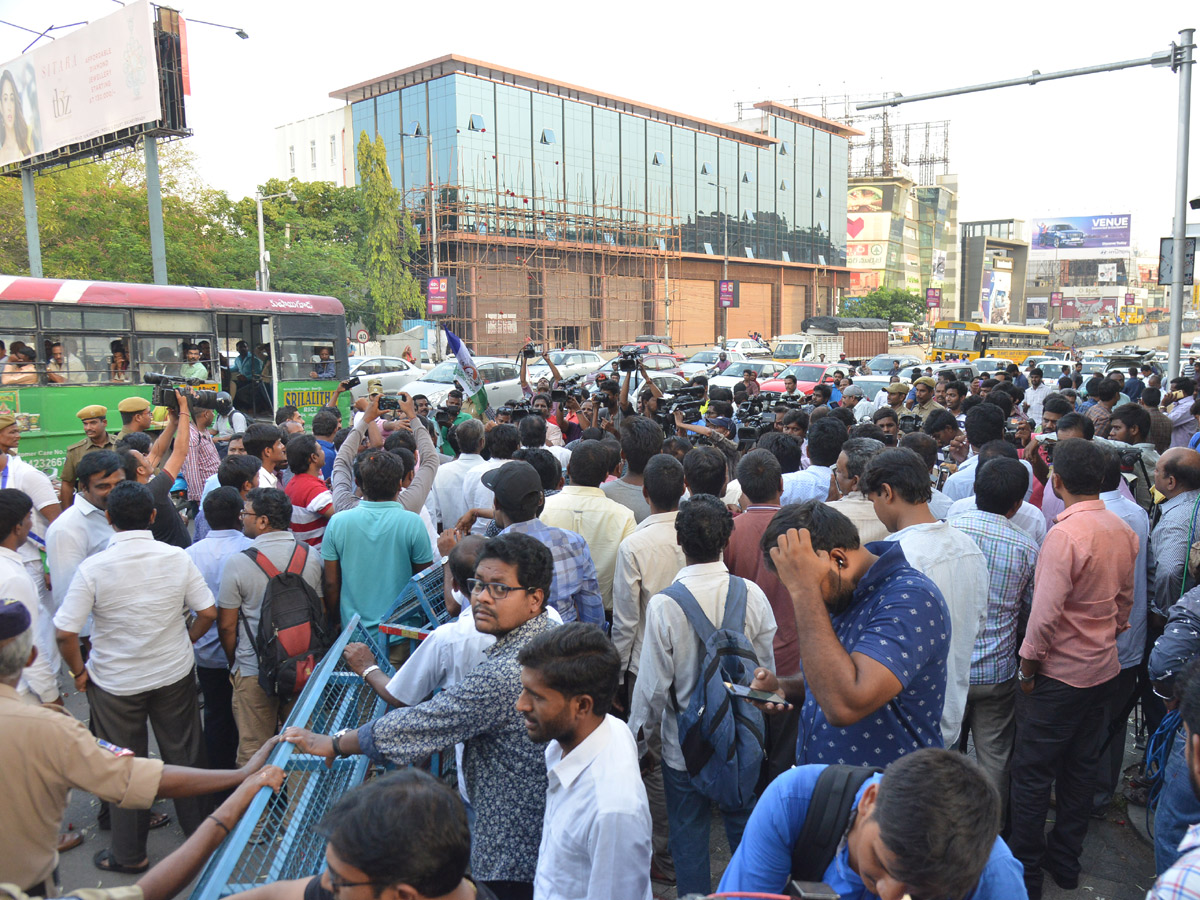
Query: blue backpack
{"x": 721, "y": 735}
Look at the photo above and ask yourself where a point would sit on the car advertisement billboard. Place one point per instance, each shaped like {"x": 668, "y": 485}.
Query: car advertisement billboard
{"x": 91, "y": 82}
{"x": 1080, "y": 237}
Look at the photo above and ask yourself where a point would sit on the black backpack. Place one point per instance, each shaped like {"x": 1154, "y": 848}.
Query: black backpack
{"x": 292, "y": 637}
{"x": 828, "y": 815}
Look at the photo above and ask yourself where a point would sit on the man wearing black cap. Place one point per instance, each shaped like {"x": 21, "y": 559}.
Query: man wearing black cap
{"x": 44, "y": 754}
{"x": 517, "y": 488}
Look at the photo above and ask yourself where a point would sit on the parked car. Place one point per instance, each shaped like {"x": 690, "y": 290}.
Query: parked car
{"x": 651, "y": 347}
{"x": 499, "y": 377}
{"x": 394, "y": 372}
{"x": 882, "y": 364}
{"x": 765, "y": 368}
{"x": 665, "y": 381}
{"x": 700, "y": 363}
{"x": 1061, "y": 235}
{"x": 569, "y": 364}
{"x": 808, "y": 375}
{"x": 959, "y": 371}
{"x": 1050, "y": 365}
{"x": 748, "y": 347}
{"x": 991, "y": 364}
{"x": 872, "y": 384}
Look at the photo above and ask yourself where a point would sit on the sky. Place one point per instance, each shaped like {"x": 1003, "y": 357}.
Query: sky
{"x": 1095, "y": 145}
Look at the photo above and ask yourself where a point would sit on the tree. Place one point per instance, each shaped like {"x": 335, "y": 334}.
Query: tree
{"x": 886, "y": 303}
{"x": 391, "y": 241}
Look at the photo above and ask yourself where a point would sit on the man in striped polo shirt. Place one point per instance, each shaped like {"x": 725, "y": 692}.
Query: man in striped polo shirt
{"x": 312, "y": 503}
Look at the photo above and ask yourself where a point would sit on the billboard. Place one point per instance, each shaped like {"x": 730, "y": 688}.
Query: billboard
{"x": 869, "y": 255}
{"x": 1080, "y": 237}
{"x": 89, "y": 83}
{"x": 933, "y": 298}
{"x": 864, "y": 198}
{"x": 440, "y": 294}
{"x": 870, "y": 226}
{"x": 1035, "y": 311}
{"x": 995, "y": 300}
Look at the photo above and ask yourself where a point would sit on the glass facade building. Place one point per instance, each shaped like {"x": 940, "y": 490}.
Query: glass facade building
{"x": 506, "y": 147}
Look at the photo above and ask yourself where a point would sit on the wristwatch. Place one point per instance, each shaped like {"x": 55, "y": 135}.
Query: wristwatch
{"x": 1021, "y": 676}
{"x": 337, "y": 742}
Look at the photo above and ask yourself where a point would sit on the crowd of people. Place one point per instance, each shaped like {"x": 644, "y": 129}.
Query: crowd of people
{"x": 885, "y": 582}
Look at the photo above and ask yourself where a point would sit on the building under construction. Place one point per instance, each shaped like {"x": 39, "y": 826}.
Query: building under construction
{"x": 578, "y": 218}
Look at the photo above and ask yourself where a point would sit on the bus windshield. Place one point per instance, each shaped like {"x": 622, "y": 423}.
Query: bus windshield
{"x": 952, "y": 339}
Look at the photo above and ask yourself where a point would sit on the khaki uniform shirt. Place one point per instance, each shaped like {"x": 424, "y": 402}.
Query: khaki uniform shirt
{"x": 45, "y": 753}
{"x": 76, "y": 452}
{"x": 922, "y": 410}
{"x": 131, "y": 892}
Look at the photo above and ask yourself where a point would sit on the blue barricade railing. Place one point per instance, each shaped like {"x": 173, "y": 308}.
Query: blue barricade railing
{"x": 421, "y": 606}
{"x": 277, "y": 837}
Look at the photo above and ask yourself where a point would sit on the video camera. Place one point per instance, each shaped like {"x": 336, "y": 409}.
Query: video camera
{"x": 165, "y": 387}
{"x": 908, "y": 423}
{"x": 629, "y": 360}
{"x": 516, "y": 410}
{"x": 757, "y": 417}
{"x": 531, "y": 351}
{"x": 685, "y": 400}
{"x": 568, "y": 388}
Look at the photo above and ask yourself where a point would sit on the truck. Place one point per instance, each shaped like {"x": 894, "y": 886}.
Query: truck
{"x": 832, "y": 336}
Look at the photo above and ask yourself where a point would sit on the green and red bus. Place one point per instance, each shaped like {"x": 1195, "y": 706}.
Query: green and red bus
{"x": 109, "y": 335}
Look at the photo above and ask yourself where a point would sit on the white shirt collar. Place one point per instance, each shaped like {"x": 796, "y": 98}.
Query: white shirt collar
{"x": 566, "y": 769}
{"x": 132, "y": 535}
{"x": 712, "y": 568}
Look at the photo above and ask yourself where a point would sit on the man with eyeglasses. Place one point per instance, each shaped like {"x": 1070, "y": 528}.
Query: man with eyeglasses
{"x": 505, "y": 771}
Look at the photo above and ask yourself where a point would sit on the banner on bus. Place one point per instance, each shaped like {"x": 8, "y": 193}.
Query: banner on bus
{"x": 91, "y": 82}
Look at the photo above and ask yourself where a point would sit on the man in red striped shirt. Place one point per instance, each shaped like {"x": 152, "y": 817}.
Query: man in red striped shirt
{"x": 312, "y": 503}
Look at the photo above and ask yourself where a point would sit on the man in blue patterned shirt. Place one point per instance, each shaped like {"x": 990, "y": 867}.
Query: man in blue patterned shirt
{"x": 874, "y": 634}
{"x": 1182, "y": 880}
{"x": 1011, "y": 555}
{"x": 574, "y": 592}
{"x": 505, "y": 771}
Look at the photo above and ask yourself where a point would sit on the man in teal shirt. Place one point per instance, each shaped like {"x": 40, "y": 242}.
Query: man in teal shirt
{"x": 372, "y": 551}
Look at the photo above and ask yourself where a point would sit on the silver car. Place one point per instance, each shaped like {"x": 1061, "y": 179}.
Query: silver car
{"x": 568, "y": 362}
{"x": 499, "y": 377}
{"x": 395, "y": 373}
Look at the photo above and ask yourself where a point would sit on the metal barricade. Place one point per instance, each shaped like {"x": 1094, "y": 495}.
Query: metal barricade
{"x": 421, "y": 606}
{"x": 277, "y": 838}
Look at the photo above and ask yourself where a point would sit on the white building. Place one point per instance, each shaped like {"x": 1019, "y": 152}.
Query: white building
{"x": 319, "y": 148}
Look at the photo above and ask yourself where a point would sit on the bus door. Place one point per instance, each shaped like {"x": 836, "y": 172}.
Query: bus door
{"x": 244, "y": 361}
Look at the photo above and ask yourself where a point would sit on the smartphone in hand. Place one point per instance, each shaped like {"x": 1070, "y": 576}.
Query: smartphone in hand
{"x": 738, "y": 690}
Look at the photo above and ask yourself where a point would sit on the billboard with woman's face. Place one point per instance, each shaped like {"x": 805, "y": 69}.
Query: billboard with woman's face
{"x": 92, "y": 82}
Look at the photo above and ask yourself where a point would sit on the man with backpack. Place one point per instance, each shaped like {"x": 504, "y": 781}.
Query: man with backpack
{"x": 926, "y": 827}
{"x": 263, "y": 578}
{"x": 706, "y": 628}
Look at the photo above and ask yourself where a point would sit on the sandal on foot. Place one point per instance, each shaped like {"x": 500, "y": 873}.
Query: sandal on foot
{"x": 69, "y": 840}
{"x": 104, "y": 862}
{"x": 158, "y": 820}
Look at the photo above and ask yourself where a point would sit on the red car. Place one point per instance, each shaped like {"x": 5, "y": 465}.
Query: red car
{"x": 808, "y": 375}
{"x": 652, "y": 347}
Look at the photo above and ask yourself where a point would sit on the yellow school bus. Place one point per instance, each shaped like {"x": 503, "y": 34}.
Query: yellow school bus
{"x": 971, "y": 340}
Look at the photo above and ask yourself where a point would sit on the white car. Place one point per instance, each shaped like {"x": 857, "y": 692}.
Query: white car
{"x": 700, "y": 363}
{"x": 499, "y": 377}
{"x": 766, "y": 369}
{"x": 394, "y": 372}
{"x": 568, "y": 362}
{"x": 748, "y": 347}
{"x": 992, "y": 364}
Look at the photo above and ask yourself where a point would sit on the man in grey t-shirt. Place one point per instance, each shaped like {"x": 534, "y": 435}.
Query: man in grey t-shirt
{"x": 267, "y": 519}
{"x": 641, "y": 438}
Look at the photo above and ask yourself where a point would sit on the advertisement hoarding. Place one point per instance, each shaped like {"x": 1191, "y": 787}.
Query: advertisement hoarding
{"x": 1035, "y": 311}
{"x": 871, "y": 255}
{"x": 1080, "y": 237}
{"x": 439, "y": 295}
{"x": 938, "y": 265}
{"x": 872, "y": 226}
{"x": 995, "y": 302}
{"x": 88, "y": 83}
{"x": 933, "y": 298}
{"x": 727, "y": 294}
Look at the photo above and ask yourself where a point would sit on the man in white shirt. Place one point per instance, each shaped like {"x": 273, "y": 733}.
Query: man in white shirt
{"x": 825, "y": 439}
{"x": 985, "y": 423}
{"x": 1035, "y": 395}
{"x": 583, "y": 508}
{"x": 596, "y": 831}
{"x": 502, "y": 442}
{"x": 1028, "y": 519}
{"x": 223, "y": 511}
{"x": 447, "y": 500}
{"x": 266, "y": 442}
{"x": 141, "y": 662}
{"x": 647, "y": 561}
{"x": 897, "y": 482}
{"x": 668, "y": 673}
{"x": 17, "y": 474}
{"x": 16, "y": 521}
{"x": 852, "y": 462}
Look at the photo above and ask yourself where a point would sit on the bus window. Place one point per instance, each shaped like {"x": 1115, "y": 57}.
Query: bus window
{"x": 85, "y": 358}
{"x": 18, "y": 332}
{"x": 305, "y": 359}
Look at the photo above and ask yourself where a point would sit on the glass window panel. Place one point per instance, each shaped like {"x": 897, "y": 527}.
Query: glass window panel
{"x": 514, "y": 155}
{"x": 577, "y": 170}
{"x": 86, "y": 358}
{"x": 607, "y": 144}
{"x": 633, "y": 171}
{"x": 86, "y": 319}
{"x": 174, "y": 322}
{"x": 298, "y": 360}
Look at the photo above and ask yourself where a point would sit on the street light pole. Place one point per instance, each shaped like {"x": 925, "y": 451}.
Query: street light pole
{"x": 264, "y": 276}
{"x": 1182, "y": 63}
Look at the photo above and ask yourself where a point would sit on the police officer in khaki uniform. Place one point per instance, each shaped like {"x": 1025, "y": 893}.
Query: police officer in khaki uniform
{"x": 44, "y": 753}
{"x": 95, "y": 423}
{"x": 135, "y": 416}
{"x": 925, "y": 404}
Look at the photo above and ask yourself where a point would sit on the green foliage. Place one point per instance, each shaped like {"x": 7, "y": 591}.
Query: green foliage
{"x": 345, "y": 242}
{"x": 391, "y": 241}
{"x": 886, "y": 303}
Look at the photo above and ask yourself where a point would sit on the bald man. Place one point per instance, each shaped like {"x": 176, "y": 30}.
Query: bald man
{"x": 1176, "y": 477}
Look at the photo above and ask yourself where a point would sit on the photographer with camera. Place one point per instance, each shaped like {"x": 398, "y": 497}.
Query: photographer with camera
{"x": 544, "y": 385}
{"x": 877, "y": 842}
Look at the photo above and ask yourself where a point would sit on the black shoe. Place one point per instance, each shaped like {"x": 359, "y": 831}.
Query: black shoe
{"x": 1066, "y": 882}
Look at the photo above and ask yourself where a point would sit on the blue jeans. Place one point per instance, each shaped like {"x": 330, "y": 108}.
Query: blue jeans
{"x": 1177, "y": 808}
{"x": 689, "y": 814}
